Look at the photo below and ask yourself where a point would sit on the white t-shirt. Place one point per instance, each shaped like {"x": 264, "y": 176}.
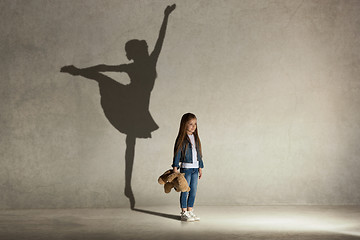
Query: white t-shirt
{"x": 195, "y": 163}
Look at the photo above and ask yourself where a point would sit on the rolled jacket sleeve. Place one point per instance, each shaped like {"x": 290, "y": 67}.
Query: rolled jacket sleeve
{"x": 201, "y": 164}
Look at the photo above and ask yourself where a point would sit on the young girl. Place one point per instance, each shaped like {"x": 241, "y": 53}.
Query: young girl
{"x": 187, "y": 150}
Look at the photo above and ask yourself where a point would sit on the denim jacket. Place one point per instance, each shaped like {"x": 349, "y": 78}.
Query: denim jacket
{"x": 188, "y": 156}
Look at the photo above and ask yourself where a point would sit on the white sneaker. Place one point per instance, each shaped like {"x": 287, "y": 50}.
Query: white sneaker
{"x": 192, "y": 214}
{"x": 185, "y": 216}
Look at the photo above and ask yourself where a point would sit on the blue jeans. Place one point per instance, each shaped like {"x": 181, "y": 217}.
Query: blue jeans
{"x": 191, "y": 176}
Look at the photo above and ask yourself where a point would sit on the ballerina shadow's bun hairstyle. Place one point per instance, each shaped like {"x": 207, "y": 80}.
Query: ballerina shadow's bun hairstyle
{"x": 136, "y": 48}
{"x": 183, "y": 138}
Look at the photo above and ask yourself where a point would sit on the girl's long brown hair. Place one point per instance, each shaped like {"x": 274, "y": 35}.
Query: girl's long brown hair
{"x": 182, "y": 137}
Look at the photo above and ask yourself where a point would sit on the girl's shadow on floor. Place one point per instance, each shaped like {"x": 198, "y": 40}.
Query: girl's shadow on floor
{"x": 171, "y": 216}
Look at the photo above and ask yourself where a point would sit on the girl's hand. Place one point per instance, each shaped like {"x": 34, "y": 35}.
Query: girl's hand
{"x": 169, "y": 9}
{"x": 200, "y": 173}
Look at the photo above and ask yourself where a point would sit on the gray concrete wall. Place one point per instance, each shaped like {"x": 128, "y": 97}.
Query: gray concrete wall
{"x": 275, "y": 86}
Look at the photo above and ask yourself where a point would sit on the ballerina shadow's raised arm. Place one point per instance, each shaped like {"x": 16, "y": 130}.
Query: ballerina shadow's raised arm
{"x": 157, "y": 49}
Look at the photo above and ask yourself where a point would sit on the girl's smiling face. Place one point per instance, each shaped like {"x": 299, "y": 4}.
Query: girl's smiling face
{"x": 191, "y": 126}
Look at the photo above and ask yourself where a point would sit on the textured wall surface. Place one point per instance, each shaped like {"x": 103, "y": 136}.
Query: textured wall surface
{"x": 275, "y": 86}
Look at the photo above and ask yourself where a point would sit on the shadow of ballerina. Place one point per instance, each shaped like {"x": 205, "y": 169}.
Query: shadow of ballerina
{"x": 127, "y": 106}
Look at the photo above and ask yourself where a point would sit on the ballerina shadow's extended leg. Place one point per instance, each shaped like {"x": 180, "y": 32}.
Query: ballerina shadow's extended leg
{"x": 92, "y": 73}
{"x": 129, "y": 162}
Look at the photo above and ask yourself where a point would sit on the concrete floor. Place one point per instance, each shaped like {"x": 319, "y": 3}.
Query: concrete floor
{"x": 217, "y": 222}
